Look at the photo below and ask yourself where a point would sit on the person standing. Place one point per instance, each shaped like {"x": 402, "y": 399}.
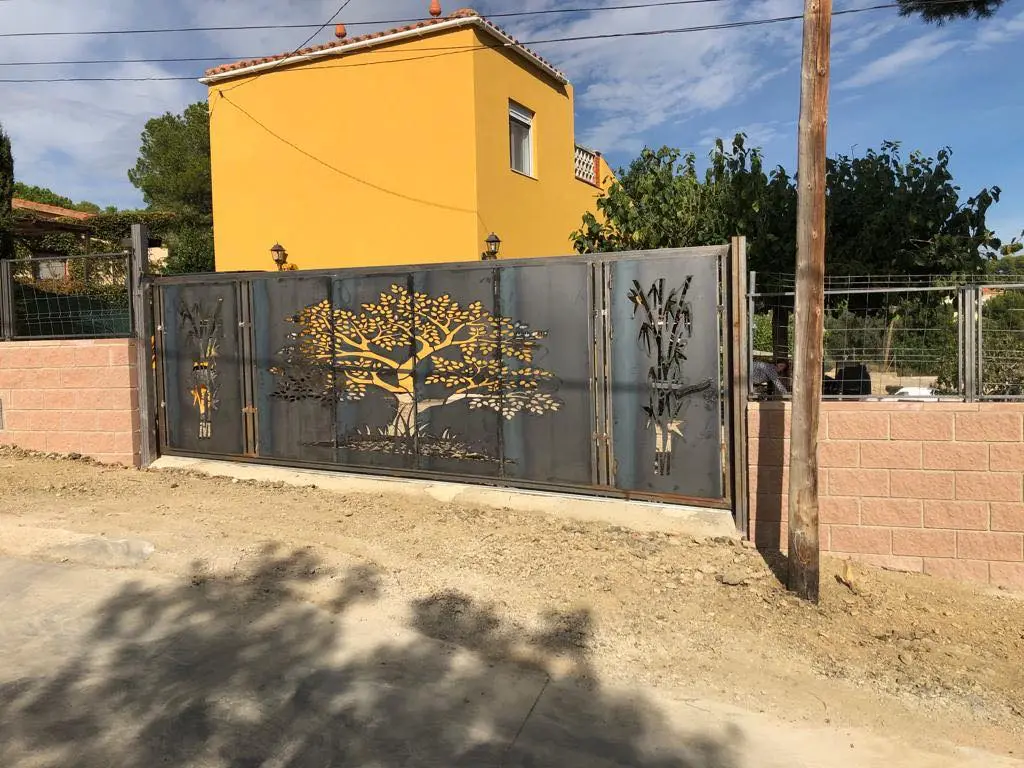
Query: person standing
{"x": 771, "y": 374}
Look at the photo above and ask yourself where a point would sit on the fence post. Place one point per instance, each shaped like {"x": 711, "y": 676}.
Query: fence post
{"x": 739, "y": 370}
{"x": 142, "y": 322}
{"x": 6, "y": 301}
{"x": 979, "y": 343}
{"x": 751, "y": 326}
{"x": 971, "y": 350}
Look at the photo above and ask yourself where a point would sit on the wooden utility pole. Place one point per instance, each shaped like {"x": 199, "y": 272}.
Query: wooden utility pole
{"x": 804, "y": 552}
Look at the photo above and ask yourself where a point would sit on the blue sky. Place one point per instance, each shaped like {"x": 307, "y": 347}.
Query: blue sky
{"x": 893, "y": 78}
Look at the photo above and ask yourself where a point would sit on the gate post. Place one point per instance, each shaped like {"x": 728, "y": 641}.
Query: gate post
{"x": 6, "y": 301}
{"x": 738, "y": 386}
{"x": 142, "y": 325}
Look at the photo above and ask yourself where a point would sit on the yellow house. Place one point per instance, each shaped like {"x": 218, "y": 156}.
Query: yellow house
{"x": 406, "y": 146}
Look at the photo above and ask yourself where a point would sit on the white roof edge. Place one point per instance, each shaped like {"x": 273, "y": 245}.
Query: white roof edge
{"x": 341, "y": 50}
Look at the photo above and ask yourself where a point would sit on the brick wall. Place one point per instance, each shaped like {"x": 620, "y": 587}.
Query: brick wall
{"x": 71, "y": 397}
{"x": 932, "y": 487}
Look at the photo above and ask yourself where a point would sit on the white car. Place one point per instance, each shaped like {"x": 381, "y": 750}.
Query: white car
{"x": 915, "y": 392}
{"x": 908, "y": 393}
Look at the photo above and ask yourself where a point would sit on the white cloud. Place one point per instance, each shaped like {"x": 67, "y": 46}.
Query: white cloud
{"x": 996, "y": 31}
{"x": 80, "y": 138}
{"x": 627, "y": 87}
{"x": 902, "y": 61}
{"x": 759, "y": 134}
{"x": 852, "y": 36}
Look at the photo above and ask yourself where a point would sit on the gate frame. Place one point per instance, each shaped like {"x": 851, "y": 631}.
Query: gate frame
{"x": 732, "y": 313}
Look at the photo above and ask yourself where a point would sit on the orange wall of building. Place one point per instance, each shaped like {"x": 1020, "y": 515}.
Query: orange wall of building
{"x": 394, "y": 155}
{"x": 382, "y": 170}
{"x": 533, "y": 216}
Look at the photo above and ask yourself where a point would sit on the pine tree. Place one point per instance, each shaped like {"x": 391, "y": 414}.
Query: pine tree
{"x": 941, "y": 11}
{"x": 6, "y": 194}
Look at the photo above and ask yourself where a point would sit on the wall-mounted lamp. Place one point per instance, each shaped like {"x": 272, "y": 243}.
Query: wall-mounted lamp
{"x": 280, "y": 256}
{"x": 493, "y": 243}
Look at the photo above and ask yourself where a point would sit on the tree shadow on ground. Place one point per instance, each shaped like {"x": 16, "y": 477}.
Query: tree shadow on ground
{"x": 238, "y": 671}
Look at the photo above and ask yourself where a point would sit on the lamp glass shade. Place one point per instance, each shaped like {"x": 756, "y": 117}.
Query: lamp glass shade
{"x": 279, "y": 253}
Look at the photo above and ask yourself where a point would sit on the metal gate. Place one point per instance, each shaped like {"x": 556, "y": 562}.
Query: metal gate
{"x": 599, "y": 374}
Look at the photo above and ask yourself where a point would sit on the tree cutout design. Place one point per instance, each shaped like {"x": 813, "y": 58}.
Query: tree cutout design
{"x": 204, "y": 332}
{"x": 665, "y": 329}
{"x": 465, "y": 352}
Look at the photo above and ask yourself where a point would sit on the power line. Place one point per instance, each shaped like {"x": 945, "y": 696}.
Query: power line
{"x": 319, "y": 27}
{"x": 173, "y": 60}
{"x": 409, "y": 57}
{"x": 453, "y": 49}
{"x": 303, "y": 44}
{"x": 337, "y": 170}
{"x": 322, "y": 27}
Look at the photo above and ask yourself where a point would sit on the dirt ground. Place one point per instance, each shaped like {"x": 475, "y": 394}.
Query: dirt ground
{"x": 916, "y": 658}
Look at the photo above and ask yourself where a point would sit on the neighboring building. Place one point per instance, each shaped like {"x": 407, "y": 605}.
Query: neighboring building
{"x": 43, "y": 212}
{"x": 987, "y": 294}
{"x": 410, "y": 145}
{"x": 33, "y": 221}
{"x": 157, "y": 256}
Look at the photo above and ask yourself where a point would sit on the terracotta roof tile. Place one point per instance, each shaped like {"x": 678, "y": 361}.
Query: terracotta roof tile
{"x": 19, "y": 204}
{"x": 463, "y": 13}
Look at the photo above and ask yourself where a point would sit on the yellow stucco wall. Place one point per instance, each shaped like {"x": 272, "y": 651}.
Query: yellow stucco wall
{"x": 396, "y": 155}
{"x": 533, "y": 216}
{"x": 398, "y": 132}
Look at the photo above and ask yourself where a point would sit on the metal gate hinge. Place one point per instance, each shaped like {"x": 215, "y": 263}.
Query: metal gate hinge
{"x": 249, "y": 410}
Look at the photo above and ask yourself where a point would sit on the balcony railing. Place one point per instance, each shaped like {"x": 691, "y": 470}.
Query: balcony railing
{"x": 588, "y": 164}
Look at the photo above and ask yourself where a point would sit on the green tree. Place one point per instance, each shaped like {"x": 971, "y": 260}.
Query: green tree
{"x": 885, "y": 214}
{"x": 173, "y": 168}
{"x": 658, "y": 202}
{"x": 940, "y": 11}
{"x": 173, "y": 172}
{"x": 1011, "y": 258}
{"x": 6, "y": 194}
{"x": 41, "y": 195}
{"x": 49, "y": 197}
{"x": 190, "y": 249}
{"x": 758, "y": 204}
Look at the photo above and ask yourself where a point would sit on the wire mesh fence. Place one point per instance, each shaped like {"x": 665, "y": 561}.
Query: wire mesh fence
{"x": 1001, "y": 342}
{"x": 889, "y": 336}
{"x": 63, "y": 297}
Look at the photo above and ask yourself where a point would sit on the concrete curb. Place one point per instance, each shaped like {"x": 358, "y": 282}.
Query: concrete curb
{"x": 669, "y": 518}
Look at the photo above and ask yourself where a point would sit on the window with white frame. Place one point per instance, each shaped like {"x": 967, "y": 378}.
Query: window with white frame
{"x": 520, "y": 136}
